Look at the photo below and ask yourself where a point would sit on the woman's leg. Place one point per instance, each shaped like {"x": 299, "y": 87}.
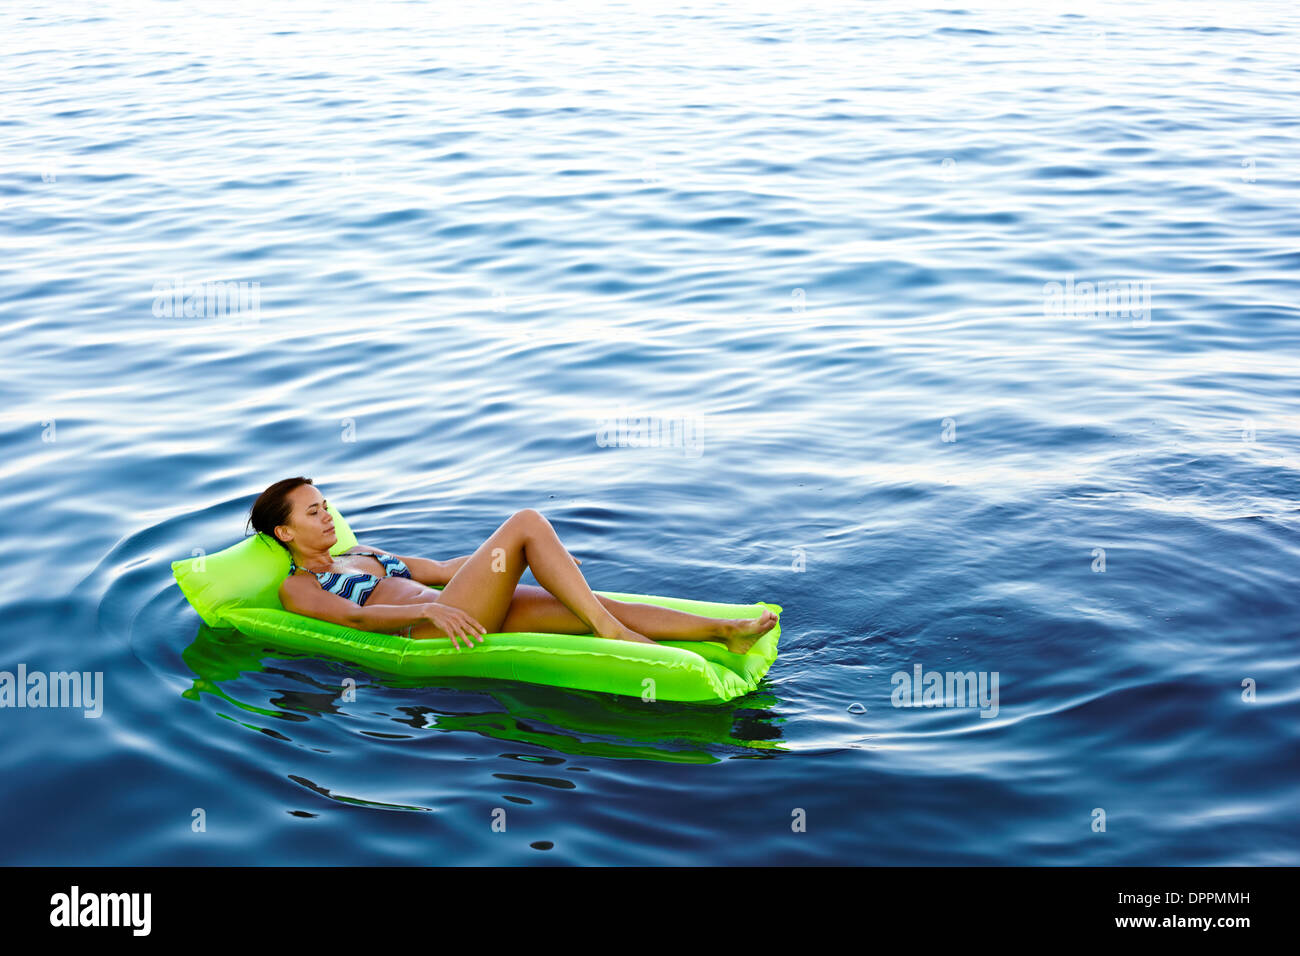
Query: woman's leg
{"x": 484, "y": 586}
{"x": 536, "y": 609}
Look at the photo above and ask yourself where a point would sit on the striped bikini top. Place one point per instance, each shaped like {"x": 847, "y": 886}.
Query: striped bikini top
{"x": 357, "y": 585}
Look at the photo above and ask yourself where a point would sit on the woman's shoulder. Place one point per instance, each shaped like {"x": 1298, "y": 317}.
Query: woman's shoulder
{"x": 296, "y": 580}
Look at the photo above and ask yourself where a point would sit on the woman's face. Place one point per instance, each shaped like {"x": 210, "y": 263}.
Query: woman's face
{"x": 309, "y": 525}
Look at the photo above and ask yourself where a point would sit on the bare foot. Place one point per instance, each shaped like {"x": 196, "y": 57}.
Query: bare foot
{"x": 740, "y": 635}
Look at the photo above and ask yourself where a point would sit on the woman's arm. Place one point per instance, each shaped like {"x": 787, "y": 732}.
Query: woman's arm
{"x": 424, "y": 570}
{"x": 452, "y": 565}
{"x": 302, "y": 595}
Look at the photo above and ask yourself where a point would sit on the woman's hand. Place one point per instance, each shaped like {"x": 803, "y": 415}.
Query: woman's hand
{"x": 454, "y": 623}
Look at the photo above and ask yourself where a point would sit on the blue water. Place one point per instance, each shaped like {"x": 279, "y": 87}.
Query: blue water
{"x": 821, "y": 241}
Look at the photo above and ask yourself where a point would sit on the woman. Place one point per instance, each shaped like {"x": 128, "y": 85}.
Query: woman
{"x": 373, "y": 590}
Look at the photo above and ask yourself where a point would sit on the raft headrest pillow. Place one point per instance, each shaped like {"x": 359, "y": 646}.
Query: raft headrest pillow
{"x": 246, "y": 574}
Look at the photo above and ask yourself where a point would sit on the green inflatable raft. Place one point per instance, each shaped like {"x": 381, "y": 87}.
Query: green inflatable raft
{"x": 238, "y": 588}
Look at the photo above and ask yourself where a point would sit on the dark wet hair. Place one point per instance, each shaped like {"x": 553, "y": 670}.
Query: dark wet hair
{"x": 272, "y": 507}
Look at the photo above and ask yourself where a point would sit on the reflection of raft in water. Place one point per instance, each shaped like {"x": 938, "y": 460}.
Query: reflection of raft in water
{"x": 239, "y": 588}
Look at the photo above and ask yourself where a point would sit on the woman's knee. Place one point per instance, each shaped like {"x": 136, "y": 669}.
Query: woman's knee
{"x": 528, "y": 518}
